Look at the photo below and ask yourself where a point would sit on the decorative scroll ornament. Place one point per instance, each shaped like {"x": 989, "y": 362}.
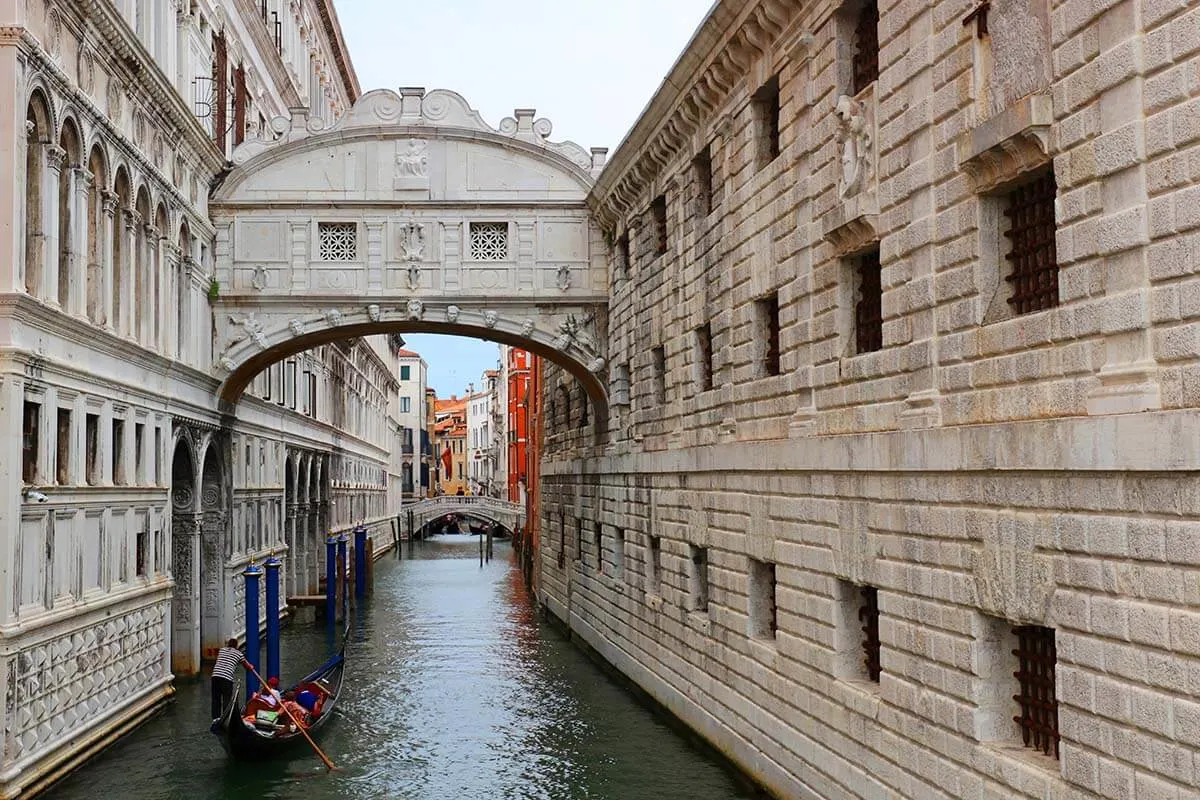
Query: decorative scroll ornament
{"x": 227, "y": 363}
{"x": 415, "y": 309}
{"x": 334, "y": 316}
{"x": 374, "y": 313}
{"x": 564, "y": 277}
{"x": 297, "y": 327}
{"x": 452, "y": 313}
{"x": 412, "y": 242}
{"x": 854, "y": 141}
{"x": 490, "y": 318}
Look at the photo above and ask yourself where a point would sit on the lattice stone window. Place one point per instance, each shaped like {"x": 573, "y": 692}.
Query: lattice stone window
{"x": 489, "y": 241}
{"x": 338, "y": 241}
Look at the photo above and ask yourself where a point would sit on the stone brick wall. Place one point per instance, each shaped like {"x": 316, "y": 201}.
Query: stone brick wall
{"x": 982, "y": 469}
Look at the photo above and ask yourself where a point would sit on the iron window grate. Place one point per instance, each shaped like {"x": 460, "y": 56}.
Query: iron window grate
{"x": 1036, "y": 660}
{"x": 868, "y": 615}
{"x": 866, "y": 46}
{"x": 868, "y": 311}
{"x": 1032, "y": 254}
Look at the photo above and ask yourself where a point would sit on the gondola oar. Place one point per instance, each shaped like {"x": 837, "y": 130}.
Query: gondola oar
{"x": 328, "y": 764}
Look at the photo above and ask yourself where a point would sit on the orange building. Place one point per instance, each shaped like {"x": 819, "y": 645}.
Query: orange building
{"x": 450, "y": 445}
{"x": 534, "y": 427}
{"x": 517, "y": 392}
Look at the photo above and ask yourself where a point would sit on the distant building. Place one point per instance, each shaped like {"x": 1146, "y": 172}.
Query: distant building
{"x": 428, "y": 453}
{"x": 515, "y": 368}
{"x": 410, "y": 415}
{"x": 485, "y": 424}
{"x": 450, "y": 445}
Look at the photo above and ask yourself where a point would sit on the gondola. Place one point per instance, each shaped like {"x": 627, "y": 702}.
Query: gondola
{"x": 251, "y": 736}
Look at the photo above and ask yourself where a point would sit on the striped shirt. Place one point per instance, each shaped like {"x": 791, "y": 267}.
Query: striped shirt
{"x": 228, "y": 660}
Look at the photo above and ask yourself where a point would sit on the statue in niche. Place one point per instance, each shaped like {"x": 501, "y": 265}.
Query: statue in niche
{"x": 854, "y": 142}
{"x": 414, "y": 161}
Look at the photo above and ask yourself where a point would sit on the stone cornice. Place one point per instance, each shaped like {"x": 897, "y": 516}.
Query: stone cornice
{"x": 124, "y": 44}
{"x": 341, "y": 53}
{"x": 251, "y": 12}
{"x": 721, "y": 52}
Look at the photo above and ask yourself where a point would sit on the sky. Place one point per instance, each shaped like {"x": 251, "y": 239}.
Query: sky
{"x": 589, "y": 66}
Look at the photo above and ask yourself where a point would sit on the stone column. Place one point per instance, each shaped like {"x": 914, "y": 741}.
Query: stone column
{"x": 127, "y": 269}
{"x": 172, "y": 308}
{"x": 55, "y": 158}
{"x": 148, "y": 320}
{"x": 78, "y": 269}
{"x": 109, "y": 204}
{"x": 185, "y": 607}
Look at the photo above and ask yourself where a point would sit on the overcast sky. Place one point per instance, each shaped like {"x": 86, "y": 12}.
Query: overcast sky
{"x": 589, "y": 66}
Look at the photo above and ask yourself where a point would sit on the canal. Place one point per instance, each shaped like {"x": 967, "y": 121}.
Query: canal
{"x": 454, "y": 689}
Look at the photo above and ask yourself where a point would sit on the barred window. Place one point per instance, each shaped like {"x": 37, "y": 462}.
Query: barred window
{"x": 704, "y": 356}
{"x": 766, "y": 117}
{"x": 1036, "y": 662}
{"x": 30, "y": 422}
{"x": 624, "y": 260}
{"x": 1032, "y": 254}
{"x": 658, "y": 358}
{"x": 702, "y": 166}
{"x": 866, "y": 46}
{"x": 868, "y": 615}
{"x": 489, "y": 241}
{"x": 658, "y": 211}
{"x": 338, "y": 241}
{"x": 868, "y": 310}
{"x": 767, "y": 334}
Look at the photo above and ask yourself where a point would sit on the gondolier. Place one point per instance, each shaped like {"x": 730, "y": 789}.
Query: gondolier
{"x": 229, "y": 658}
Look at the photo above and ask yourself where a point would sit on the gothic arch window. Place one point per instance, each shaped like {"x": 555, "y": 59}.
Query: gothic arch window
{"x": 67, "y": 245}
{"x": 121, "y": 258}
{"x": 95, "y": 230}
{"x": 38, "y": 129}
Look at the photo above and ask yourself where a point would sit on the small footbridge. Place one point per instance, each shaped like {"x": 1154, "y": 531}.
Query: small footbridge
{"x": 510, "y": 515}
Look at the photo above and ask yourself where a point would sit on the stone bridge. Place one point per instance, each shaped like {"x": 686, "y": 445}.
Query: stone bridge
{"x": 510, "y": 515}
{"x": 410, "y": 214}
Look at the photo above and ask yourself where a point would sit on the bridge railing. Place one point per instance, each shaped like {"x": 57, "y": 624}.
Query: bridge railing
{"x": 503, "y": 511}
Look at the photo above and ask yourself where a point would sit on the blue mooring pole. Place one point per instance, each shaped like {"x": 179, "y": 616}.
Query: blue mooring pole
{"x": 252, "y": 574}
{"x": 343, "y": 589}
{"x": 331, "y": 580}
{"x": 272, "y": 564}
{"x": 360, "y": 563}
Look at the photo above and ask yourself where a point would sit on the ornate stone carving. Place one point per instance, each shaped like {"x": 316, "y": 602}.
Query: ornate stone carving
{"x": 412, "y": 166}
{"x": 415, "y": 309}
{"x": 414, "y": 277}
{"x": 490, "y": 318}
{"x": 568, "y": 329}
{"x": 54, "y": 32}
{"x": 334, "y": 317}
{"x": 855, "y": 143}
{"x": 374, "y": 313}
{"x": 259, "y": 279}
{"x": 78, "y": 673}
{"x": 296, "y": 326}
{"x": 527, "y": 327}
{"x": 113, "y": 98}
{"x": 412, "y": 242}
{"x": 86, "y": 65}
{"x": 564, "y": 277}
{"x": 182, "y": 499}
{"x": 253, "y": 327}
{"x": 452, "y": 313}
{"x": 228, "y": 364}
{"x": 596, "y": 365}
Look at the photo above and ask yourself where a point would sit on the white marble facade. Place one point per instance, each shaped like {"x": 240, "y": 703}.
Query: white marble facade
{"x": 129, "y": 499}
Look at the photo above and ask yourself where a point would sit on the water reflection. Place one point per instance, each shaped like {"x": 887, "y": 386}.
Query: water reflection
{"x": 453, "y": 690}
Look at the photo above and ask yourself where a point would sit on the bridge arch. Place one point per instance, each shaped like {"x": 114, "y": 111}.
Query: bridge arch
{"x": 410, "y": 214}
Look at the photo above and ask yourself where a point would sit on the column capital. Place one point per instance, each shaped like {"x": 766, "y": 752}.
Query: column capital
{"x": 56, "y": 158}
{"x": 83, "y": 178}
{"x": 108, "y": 201}
{"x": 132, "y": 219}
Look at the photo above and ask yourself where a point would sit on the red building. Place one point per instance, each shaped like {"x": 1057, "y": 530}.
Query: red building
{"x": 518, "y": 373}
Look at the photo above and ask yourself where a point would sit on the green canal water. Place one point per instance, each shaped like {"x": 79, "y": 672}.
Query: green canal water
{"x": 454, "y": 691}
